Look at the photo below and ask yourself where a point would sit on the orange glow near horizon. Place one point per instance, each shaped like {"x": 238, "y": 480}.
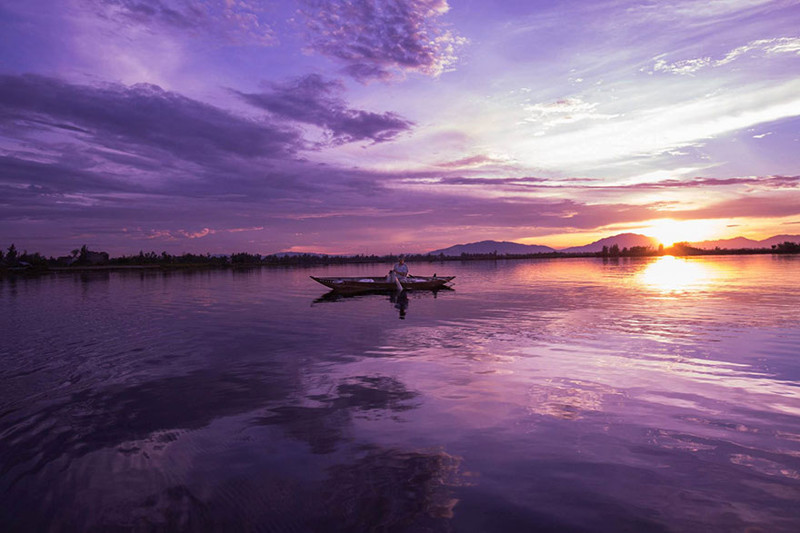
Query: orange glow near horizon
{"x": 669, "y": 231}
{"x": 564, "y": 240}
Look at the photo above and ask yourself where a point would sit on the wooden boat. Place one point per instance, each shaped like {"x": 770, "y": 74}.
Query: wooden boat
{"x": 359, "y": 284}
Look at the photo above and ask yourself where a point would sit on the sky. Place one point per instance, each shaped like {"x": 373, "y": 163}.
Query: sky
{"x": 375, "y": 127}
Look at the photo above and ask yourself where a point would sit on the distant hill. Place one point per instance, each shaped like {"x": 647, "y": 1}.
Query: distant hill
{"x": 734, "y": 243}
{"x": 780, "y": 239}
{"x": 742, "y": 242}
{"x": 489, "y": 247}
{"x": 623, "y": 240}
{"x": 297, "y": 254}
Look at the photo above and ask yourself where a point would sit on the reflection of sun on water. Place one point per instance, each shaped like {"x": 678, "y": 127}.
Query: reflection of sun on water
{"x": 672, "y": 274}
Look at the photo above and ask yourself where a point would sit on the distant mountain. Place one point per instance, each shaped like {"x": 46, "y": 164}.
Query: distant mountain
{"x": 489, "y": 247}
{"x": 623, "y": 240}
{"x": 296, "y": 254}
{"x": 779, "y": 239}
{"x": 742, "y": 242}
{"x": 734, "y": 243}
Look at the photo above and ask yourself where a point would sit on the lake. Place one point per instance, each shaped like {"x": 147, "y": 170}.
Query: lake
{"x": 653, "y": 394}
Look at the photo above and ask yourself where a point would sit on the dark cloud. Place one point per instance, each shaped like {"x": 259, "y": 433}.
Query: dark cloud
{"x": 578, "y": 184}
{"x": 377, "y": 39}
{"x": 47, "y": 178}
{"x": 235, "y": 22}
{"x": 508, "y": 213}
{"x": 181, "y": 15}
{"x": 771, "y": 182}
{"x": 140, "y": 116}
{"x": 522, "y": 181}
{"x": 763, "y": 205}
{"x": 473, "y": 162}
{"x": 313, "y": 100}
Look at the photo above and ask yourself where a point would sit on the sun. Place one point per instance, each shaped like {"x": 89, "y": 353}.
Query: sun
{"x": 669, "y": 231}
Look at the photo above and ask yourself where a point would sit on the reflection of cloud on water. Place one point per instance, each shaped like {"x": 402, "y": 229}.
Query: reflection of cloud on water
{"x": 322, "y": 425}
{"x": 132, "y": 415}
{"x": 394, "y": 490}
{"x": 569, "y": 399}
{"x": 174, "y": 508}
{"x": 381, "y": 489}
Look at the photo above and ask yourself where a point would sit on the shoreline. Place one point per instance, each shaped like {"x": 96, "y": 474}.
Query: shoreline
{"x": 317, "y": 261}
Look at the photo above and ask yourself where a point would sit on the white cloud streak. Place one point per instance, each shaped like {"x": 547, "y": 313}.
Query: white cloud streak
{"x": 647, "y": 132}
{"x": 564, "y": 111}
{"x": 762, "y": 47}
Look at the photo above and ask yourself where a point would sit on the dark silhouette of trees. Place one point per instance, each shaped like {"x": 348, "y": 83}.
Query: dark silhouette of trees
{"x": 243, "y": 258}
{"x": 84, "y": 258}
{"x": 786, "y": 248}
{"x": 638, "y": 251}
{"x": 35, "y": 259}
{"x": 11, "y": 256}
{"x": 16, "y": 260}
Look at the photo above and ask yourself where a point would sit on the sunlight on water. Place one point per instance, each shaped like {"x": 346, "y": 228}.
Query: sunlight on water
{"x": 545, "y": 395}
{"x": 672, "y": 274}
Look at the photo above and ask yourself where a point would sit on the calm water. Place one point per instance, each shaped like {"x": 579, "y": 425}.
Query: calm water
{"x": 568, "y": 395}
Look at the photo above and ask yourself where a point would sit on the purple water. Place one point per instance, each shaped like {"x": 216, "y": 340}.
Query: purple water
{"x": 554, "y": 395}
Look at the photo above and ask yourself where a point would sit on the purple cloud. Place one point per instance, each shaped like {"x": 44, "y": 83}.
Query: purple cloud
{"x": 375, "y": 40}
{"x": 140, "y": 118}
{"x": 764, "y": 205}
{"x": 180, "y": 14}
{"x": 235, "y": 22}
{"x": 769, "y": 182}
{"x": 578, "y": 184}
{"x": 474, "y": 161}
{"x": 313, "y": 100}
{"x": 496, "y": 182}
{"x": 56, "y": 179}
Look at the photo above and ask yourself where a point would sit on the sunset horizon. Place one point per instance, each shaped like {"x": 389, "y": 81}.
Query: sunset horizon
{"x": 574, "y": 240}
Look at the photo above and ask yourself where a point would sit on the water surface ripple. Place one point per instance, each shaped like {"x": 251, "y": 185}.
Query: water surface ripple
{"x": 656, "y": 394}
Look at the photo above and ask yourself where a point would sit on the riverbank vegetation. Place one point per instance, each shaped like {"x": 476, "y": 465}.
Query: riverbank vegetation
{"x": 11, "y": 260}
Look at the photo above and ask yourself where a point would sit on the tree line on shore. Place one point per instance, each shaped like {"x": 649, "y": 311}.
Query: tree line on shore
{"x": 82, "y": 257}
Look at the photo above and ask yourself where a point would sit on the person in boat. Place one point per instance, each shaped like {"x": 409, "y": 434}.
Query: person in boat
{"x": 399, "y": 270}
